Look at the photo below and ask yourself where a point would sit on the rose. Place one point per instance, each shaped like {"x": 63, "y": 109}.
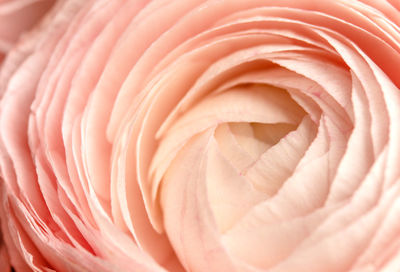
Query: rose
{"x": 79, "y": 147}
{"x": 204, "y": 136}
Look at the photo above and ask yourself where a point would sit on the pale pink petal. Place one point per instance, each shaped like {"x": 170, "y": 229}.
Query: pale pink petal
{"x": 195, "y": 237}
{"x": 230, "y": 194}
{"x": 277, "y": 164}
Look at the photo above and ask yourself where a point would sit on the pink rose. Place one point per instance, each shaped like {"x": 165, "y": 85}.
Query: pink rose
{"x": 219, "y": 135}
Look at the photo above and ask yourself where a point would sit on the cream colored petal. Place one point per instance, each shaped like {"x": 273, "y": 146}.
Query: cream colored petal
{"x": 188, "y": 218}
{"x": 278, "y": 163}
{"x": 230, "y": 194}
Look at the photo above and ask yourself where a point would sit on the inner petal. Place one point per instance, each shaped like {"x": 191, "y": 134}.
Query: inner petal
{"x": 238, "y": 147}
{"x": 256, "y": 138}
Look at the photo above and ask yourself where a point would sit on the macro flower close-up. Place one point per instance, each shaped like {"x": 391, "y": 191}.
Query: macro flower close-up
{"x": 200, "y": 135}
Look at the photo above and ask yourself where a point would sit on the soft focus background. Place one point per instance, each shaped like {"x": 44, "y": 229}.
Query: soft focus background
{"x": 17, "y": 17}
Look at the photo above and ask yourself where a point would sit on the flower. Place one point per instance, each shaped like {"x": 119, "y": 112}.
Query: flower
{"x": 219, "y": 135}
